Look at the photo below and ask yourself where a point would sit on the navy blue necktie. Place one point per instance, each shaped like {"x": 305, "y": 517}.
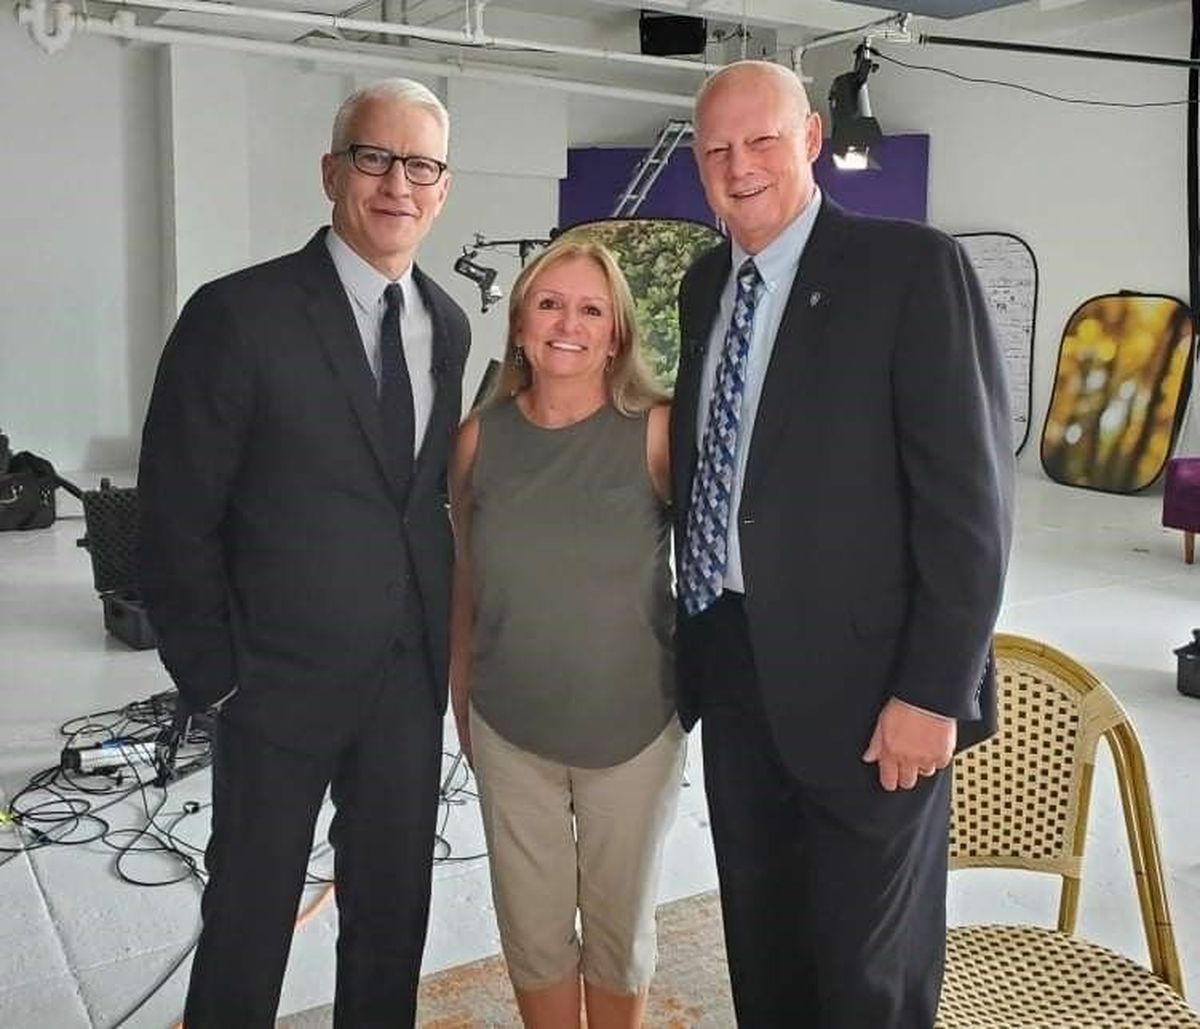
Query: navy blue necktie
{"x": 706, "y": 538}
{"x": 395, "y": 390}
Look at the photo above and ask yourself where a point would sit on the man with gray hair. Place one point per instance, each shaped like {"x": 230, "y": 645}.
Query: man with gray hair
{"x": 295, "y": 560}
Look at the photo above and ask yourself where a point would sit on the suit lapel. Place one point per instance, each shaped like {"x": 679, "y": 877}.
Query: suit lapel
{"x": 447, "y": 371}
{"x": 328, "y": 308}
{"x": 801, "y": 333}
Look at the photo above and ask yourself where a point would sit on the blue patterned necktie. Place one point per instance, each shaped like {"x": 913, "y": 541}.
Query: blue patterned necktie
{"x": 395, "y": 390}
{"x": 705, "y": 551}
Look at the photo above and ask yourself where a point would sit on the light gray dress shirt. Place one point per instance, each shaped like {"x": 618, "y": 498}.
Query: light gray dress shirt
{"x": 776, "y": 263}
{"x": 364, "y": 286}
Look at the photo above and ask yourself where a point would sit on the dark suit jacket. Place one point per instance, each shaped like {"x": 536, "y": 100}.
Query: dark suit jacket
{"x": 875, "y": 516}
{"x": 275, "y": 555}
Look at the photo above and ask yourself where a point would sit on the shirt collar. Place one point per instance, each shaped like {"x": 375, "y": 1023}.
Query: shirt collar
{"x": 364, "y": 283}
{"x": 777, "y": 261}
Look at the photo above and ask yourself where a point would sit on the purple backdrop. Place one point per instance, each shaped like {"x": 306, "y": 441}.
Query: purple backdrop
{"x": 898, "y": 188}
{"x": 596, "y": 177}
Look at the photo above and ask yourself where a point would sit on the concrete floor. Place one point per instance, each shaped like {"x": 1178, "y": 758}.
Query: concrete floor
{"x": 1093, "y": 574}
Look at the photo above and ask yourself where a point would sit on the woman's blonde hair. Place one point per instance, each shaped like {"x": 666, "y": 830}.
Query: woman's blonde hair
{"x": 631, "y": 385}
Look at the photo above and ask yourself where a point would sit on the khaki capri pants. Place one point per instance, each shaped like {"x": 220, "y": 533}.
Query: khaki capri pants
{"x": 562, "y": 839}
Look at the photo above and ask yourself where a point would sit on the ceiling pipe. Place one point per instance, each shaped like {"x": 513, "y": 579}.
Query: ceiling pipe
{"x": 475, "y": 37}
{"x": 894, "y": 28}
{"x": 51, "y": 26}
{"x": 1059, "y": 51}
{"x": 37, "y": 17}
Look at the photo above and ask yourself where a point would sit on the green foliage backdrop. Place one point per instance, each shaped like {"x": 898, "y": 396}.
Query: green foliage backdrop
{"x": 654, "y": 253}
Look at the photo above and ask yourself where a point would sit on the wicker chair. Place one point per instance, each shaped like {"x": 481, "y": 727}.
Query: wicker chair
{"x": 1021, "y": 802}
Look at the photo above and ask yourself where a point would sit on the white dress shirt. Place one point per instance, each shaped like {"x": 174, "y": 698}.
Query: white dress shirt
{"x": 777, "y": 263}
{"x": 365, "y": 285}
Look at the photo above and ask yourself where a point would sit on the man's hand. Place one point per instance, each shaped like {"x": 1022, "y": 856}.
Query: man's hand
{"x": 910, "y": 742}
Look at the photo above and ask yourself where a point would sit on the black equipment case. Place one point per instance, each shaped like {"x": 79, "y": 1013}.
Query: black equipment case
{"x": 111, "y": 518}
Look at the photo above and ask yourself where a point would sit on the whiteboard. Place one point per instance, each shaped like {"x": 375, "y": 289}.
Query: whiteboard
{"x": 1008, "y": 272}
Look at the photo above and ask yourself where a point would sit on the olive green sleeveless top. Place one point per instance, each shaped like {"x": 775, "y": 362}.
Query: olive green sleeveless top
{"x": 572, "y": 654}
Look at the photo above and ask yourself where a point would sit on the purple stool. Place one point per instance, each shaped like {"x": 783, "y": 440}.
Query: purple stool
{"x": 1181, "y": 501}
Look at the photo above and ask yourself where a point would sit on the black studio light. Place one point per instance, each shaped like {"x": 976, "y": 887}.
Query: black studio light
{"x": 854, "y": 132}
{"x": 482, "y": 276}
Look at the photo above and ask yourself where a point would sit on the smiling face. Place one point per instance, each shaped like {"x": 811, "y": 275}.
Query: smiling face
{"x": 755, "y": 143}
{"x": 383, "y": 219}
{"x": 566, "y": 326}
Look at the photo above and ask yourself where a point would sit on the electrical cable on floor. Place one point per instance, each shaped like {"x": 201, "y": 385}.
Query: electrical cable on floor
{"x": 454, "y": 793}
{"x": 55, "y": 805}
{"x": 62, "y": 805}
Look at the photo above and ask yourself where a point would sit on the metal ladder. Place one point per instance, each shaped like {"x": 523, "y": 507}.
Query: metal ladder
{"x": 650, "y": 167}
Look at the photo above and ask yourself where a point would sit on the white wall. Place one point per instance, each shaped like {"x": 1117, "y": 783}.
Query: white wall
{"x": 1099, "y": 194}
{"x": 266, "y": 199}
{"x": 80, "y": 324}
{"x": 137, "y": 173}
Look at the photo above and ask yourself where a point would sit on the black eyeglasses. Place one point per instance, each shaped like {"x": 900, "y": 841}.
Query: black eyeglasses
{"x": 375, "y": 160}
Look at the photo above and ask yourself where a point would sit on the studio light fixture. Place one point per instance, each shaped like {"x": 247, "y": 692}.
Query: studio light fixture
{"x": 854, "y": 132}
{"x": 484, "y": 278}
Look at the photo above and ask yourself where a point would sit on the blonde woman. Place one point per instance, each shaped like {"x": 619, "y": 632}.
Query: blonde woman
{"x": 562, "y": 670}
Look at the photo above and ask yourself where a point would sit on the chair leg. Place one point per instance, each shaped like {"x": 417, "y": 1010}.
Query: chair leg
{"x": 1189, "y": 546}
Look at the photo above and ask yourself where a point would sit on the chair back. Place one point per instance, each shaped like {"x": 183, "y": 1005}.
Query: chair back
{"x": 1021, "y": 797}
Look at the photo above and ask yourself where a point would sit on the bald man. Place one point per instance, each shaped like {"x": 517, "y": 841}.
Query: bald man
{"x": 843, "y": 484}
